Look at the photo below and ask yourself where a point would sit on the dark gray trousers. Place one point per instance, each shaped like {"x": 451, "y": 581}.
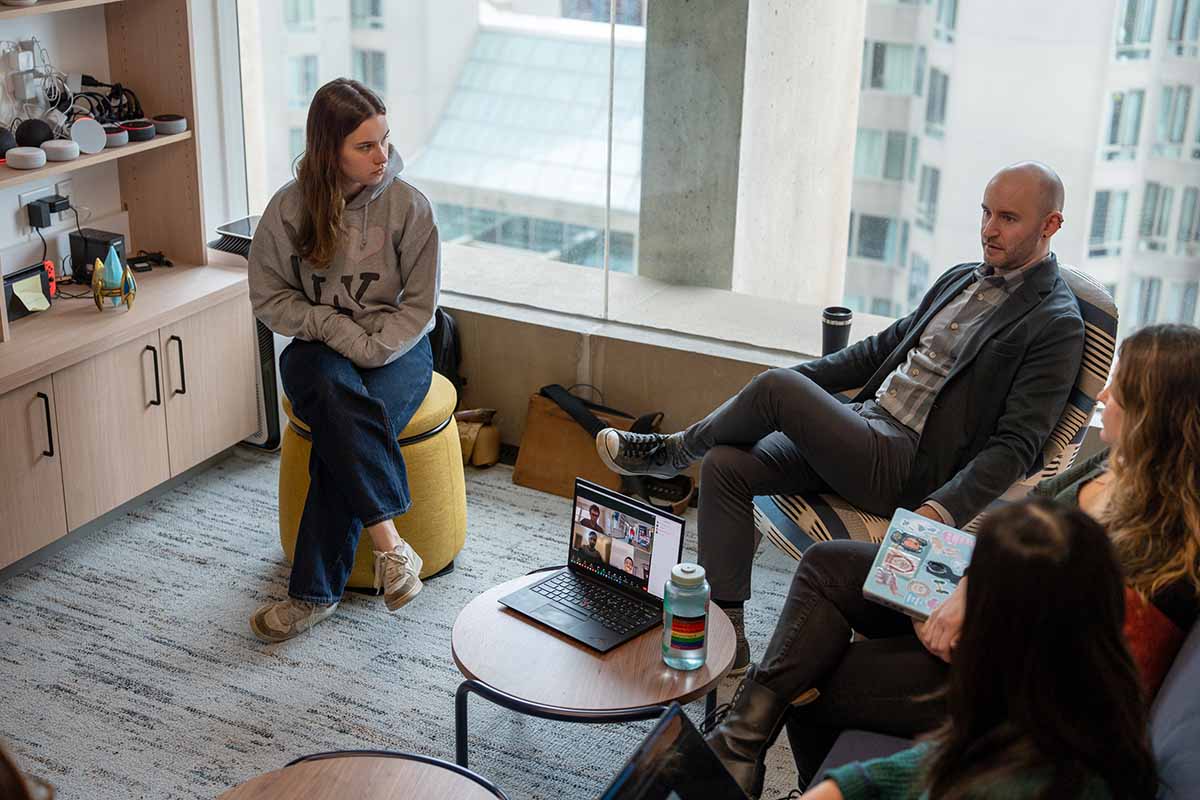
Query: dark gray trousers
{"x": 784, "y": 434}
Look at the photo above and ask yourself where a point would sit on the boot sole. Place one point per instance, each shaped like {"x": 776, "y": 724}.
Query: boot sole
{"x": 396, "y": 603}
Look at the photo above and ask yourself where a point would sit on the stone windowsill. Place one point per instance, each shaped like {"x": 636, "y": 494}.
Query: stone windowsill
{"x": 524, "y": 287}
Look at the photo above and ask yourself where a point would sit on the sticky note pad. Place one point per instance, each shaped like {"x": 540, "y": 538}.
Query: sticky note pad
{"x": 29, "y": 292}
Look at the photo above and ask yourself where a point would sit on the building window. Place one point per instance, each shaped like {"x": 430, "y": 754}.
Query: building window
{"x": 1124, "y": 124}
{"x": 912, "y": 159}
{"x": 1156, "y": 217}
{"x": 1183, "y": 30}
{"x": 879, "y": 155}
{"x": 935, "y": 106}
{"x": 1181, "y": 302}
{"x": 1148, "y": 291}
{"x": 878, "y": 238}
{"x": 927, "y": 197}
{"x": 1187, "y": 241}
{"x": 370, "y": 67}
{"x": 891, "y": 67}
{"x": 366, "y": 14}
{"x": 303, "y": 76}
{"x": 1173, "y": 111}
{"x": 881, "y": 306}
{"x": 1108, "y": 224}
{"x": 295, "y": 143}
{"x": 629, "y": 12}
{"x": 918, "y": 281}
{"x": 1135, "y": 24}
{"x": 947, "y": 15}
{"x": 299, "y": 15}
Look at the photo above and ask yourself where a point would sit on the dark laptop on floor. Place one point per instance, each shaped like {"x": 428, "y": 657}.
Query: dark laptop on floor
{"x": 619, "y": 557}
{"x": 674, "y": 763}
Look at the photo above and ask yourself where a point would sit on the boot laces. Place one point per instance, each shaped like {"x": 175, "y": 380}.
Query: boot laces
{"x": 639, "y": 445}
{"x": 721, "y": 712}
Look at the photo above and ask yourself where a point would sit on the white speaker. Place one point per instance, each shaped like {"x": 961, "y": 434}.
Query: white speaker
{"x": 61, "y": 150}
{"x": 88, "y": 134}
{"x": 25, "y": 157}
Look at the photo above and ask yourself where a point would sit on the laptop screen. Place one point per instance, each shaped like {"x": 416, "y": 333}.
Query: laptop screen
{"x": 623, "y": 541}
{"x": 673, "y": 763}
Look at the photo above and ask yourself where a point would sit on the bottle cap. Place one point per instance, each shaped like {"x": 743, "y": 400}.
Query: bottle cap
{"x": 687, "y": 575}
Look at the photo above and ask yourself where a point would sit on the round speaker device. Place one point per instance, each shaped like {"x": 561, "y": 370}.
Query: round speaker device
{"x": 26, "y": 157}
{"x": 61, "y": 150}
{"x": 88, "y": 134}
{"x": 166, "y": 124}
{"x": 115, "y": 136}
{"x": 139, "y": 130}
{"x": 32, "y": 132}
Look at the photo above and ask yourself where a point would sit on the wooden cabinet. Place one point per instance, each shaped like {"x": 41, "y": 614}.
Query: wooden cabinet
{"x": 209, "y": 382}
{"x": 32, "y": 512}
{"x": 113, "y": 428}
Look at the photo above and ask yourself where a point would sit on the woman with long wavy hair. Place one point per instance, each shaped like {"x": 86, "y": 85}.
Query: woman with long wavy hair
{"x": 1061, "y": 715}
{"x": 346, "y": 261}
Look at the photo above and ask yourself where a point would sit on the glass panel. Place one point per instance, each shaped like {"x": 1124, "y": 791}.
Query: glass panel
{"x": 893, "y": 168}
{"x": 868, "y": 154}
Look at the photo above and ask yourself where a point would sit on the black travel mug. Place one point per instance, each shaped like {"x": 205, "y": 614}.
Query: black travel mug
{"x": 835, "y": 328}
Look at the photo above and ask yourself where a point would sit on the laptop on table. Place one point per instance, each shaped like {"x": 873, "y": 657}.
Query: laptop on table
{"x": 620, "y": 553}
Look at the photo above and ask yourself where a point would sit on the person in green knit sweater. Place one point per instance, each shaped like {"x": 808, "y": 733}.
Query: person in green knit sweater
{"x": 1061, "y": 714}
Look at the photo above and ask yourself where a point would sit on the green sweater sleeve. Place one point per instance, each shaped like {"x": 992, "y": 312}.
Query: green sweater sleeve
{"x": 891, "y": 778}
{"x": 1065, "y": 487}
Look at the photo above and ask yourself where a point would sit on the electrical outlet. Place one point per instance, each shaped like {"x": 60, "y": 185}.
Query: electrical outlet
{"x": 65, "y": 188}
{"x": 24, "y": 199}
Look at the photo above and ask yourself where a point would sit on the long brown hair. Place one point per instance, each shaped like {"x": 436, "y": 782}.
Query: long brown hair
{"x": 1042, "y": 682}
{"x": 337, "y": 109}
{"x": 1154, "y": 512}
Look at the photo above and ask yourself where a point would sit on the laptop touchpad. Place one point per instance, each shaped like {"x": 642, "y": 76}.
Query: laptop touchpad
{"x": 554, "y": 615}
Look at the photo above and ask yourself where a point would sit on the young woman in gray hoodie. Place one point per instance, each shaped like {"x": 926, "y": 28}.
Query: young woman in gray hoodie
{"x": 346, "y": 261}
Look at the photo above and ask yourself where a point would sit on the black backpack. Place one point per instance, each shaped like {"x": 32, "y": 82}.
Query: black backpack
{"x": 447, "y": 354}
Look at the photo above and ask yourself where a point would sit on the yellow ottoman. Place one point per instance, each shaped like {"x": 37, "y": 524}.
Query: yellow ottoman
{"x": 436, "y": 523}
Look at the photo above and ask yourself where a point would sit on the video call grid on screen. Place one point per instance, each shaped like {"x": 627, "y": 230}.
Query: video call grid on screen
{"x": 627, "y": 539}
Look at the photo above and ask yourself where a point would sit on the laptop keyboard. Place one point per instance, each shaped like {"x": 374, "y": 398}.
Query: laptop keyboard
{"x": 610, "y": 608}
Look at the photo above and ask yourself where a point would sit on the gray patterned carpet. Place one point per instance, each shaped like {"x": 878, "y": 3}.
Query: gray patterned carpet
{"x": 127, "y": 668}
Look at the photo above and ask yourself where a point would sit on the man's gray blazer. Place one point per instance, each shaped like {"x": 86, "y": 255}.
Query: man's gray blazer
{"x": 1001, "y": 400}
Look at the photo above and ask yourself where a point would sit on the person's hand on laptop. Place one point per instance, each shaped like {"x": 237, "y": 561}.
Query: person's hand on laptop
{"x": 940, "y": 632}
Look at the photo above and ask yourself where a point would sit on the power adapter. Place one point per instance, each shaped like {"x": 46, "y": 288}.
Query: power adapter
{"x": 41, "y": 209}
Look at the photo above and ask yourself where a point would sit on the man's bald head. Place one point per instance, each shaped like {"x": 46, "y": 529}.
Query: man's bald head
{"x": 1041, "y": 180}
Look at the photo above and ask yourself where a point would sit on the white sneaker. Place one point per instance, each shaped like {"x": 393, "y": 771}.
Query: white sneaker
{"x": 280, "y": 621}
{"x": 398, "y": 572}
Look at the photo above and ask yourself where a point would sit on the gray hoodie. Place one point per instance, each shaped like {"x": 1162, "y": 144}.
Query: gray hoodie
{"x": 376, "y": 299}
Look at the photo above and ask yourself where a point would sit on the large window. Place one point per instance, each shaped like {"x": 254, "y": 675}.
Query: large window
{"x": 1124, "y": 123}
{"x": 918, "y": 280}
{"x": 1108, "y": 223}
{"x": 302, "y": 80}
{"x": 1135, "y": 27}
{"x": 893, "y": 67}
{"x": 1156, "y": 216}
{"x": 1181, "y": 302}
{"x": 1183, "y": 30}
{"x": 879, "y": 155}
{"x": 876, "y": 238}
{"x": 927, "y": 197}
{"x": 366, "y": 14}
{"x": 370, "y": 67}
{"x": 1188, "y": 239}
{"x": 299, "y": 15}
{"x": 1174, "y": 104}
{"x": 629, "y": 12}
{"x": 947, "y": 15}
{"x": 935, "y": 106}
{"x": 1148, "y": 294}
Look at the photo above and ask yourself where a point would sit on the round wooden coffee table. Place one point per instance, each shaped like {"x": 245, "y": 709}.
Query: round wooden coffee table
{"x": 334, "y": 776}
{"x": 526, "y": 667}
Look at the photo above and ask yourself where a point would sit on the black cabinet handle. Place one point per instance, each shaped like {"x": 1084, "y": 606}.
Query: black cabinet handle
{"x": 157, "y": 387}
{"x": 182, "y": 373}
{"x": 49, "y": 430}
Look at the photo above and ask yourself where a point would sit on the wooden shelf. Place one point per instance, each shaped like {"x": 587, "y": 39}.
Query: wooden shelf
{"x": 74, "y": 330}
{"x": 17, "y": 177}
{"x": 48, "y": 7}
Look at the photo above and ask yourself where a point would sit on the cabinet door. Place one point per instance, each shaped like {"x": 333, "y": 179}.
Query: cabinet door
{"x": 32, "y": 510}
{"x": 113, "y": 428}
{"x": 210, "y": 382}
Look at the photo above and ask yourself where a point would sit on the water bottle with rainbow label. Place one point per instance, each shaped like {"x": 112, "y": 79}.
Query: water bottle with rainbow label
{"x": 685, "y": 617}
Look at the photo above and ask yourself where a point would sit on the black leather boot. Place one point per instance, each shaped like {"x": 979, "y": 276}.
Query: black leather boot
{"x": 749, "y": 727}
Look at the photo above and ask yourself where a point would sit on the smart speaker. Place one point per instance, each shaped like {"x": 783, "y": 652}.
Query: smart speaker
{"x": 139, "y": 130}
{"x": 88, "y": 134}
{"x": 26, "y": 157}
{"x": 32, "y": 132}
{"x": 61, "y": 150}
{"x": 166, "y": 124}
{"x": 115, "y": 136}
{"x": 7, "y": 141}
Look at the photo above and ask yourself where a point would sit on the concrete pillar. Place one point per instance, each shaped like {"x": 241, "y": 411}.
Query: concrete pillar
{"x": 799, "y": 123}
{"x": 691, "y": 132}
